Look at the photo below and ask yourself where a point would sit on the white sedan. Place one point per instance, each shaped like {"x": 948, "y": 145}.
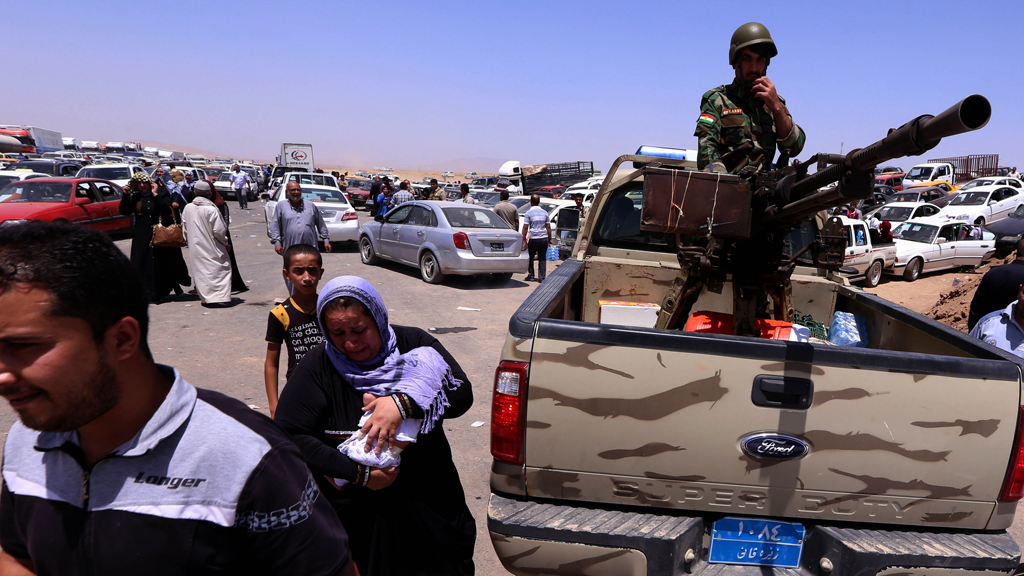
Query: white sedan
{"x": 983, "y": 204}
{"x": 937, "y": 243}
{"x": 119, "y": 174}
{"x": 339, "y": 215}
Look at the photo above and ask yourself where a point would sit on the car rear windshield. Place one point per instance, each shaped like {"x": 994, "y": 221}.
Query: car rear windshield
{"x": 41, "y": 167}
{"x": 894, "y": 213}
{"x": 974, "y": 183}
{"x": 105, "y": 173}
{"x": 31, "y": 191}
{"x": 619, "y": 224}
{"x": 908, "y": 197}
{"x": 969, "y": 199}
{"x": 324, "y": 196}
{"x": 916, "y": 232}
{"x": 471, "y": 218}
{"x": 5, "y": 180}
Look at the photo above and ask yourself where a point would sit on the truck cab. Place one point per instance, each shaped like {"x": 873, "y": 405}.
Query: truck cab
{"x": 929, "y": 172}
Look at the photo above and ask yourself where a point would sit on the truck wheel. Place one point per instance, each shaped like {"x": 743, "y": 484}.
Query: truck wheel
{"x": 503, "y": 276}
{"x": 913, "y": 270}
{"x": 430, "y": 270}
{"x": 874, "y": 274}
{"x": 366, "y": 253}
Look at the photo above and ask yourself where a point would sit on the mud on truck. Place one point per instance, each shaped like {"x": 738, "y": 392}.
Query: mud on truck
{"x": 701, "y": 437}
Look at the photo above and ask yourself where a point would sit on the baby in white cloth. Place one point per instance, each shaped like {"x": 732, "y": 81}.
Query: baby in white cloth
{"x": 355, "y": 446}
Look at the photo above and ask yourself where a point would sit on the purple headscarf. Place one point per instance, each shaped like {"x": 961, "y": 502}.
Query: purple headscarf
{"x": 421, "y": 373}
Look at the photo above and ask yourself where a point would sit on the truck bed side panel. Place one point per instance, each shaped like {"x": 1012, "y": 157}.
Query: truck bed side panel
{"x": 659, "y": 417}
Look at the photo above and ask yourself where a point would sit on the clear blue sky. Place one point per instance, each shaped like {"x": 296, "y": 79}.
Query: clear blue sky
{"x": 423, "y": 83}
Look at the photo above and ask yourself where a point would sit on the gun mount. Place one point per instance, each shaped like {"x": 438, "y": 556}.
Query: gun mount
{"x": 735, "y": 225}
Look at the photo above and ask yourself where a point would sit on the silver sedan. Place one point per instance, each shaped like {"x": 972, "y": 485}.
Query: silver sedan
{"x": 445, "y": 238}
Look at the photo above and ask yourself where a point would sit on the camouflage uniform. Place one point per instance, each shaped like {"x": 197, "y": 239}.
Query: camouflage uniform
{"x": 733, "y": 132}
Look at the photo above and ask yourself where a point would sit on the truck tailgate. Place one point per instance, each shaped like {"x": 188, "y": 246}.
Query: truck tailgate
{"x": 660, "y": 419}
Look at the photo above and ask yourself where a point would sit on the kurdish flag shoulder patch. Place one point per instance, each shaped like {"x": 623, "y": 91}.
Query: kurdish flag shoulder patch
{"x": 706, "y": 119}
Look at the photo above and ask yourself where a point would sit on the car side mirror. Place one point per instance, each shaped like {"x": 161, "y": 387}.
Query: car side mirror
{"x": 378, "y": 218}
{"x": 940, "y": 240}
{"x": 82, "y": 200}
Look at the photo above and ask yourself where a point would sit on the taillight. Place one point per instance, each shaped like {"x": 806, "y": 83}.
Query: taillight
{"x": 348, "y": 216}
{"x": 461, "y": 240}
{"x": 1013, "y": 486}
{"x": 508, "y": 412}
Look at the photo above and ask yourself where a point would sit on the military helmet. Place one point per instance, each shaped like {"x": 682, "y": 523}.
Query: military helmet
{"x": 748, "y": 35}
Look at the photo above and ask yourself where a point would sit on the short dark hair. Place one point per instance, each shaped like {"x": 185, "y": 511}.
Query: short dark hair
{"x": 464, "y": 187}
{"x": 504, "y": 195}
{"x": 433, "y": 180}
{"x": 87, "y": 276}
{"x": 299, "y": 250}
{"x": 535, "y": 200}
{"x": 403, "y": 185}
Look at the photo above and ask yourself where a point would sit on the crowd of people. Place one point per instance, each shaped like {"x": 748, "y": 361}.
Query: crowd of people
{"x": 172, "y": 200}
{"x": 354, "y": 476}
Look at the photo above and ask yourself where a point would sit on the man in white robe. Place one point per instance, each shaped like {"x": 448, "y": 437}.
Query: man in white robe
{"x": 208, "y": 246}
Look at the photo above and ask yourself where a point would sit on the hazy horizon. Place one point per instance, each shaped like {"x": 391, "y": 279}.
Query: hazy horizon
{"x": 424, "y": 84}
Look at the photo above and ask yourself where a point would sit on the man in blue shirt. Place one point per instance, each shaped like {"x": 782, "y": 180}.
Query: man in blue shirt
{"x": 1002, "y": 328}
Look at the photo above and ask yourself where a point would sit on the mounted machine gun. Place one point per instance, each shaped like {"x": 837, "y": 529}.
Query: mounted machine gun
{"x": 734, "y": 226}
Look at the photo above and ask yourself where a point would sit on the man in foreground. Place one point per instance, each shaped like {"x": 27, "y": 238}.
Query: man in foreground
{"x": 436, "y": 192}
{"x": 1004, "y": 328}
{"x": 117, "y": 464}
{"x": 742, "y": 123}
{"x": 998, "y": 287}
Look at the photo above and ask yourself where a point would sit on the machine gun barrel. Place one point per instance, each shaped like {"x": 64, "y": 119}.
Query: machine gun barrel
{"x": 912, "y": 139}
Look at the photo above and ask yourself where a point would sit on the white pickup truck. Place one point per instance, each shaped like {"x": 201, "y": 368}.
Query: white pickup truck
{"x": 867, "y": 257}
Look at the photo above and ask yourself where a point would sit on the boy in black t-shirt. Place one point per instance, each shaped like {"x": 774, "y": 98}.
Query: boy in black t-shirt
{"x": 294, "y": 321}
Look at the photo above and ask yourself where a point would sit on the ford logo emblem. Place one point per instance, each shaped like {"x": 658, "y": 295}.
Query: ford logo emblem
{"x": 774, "y": 446}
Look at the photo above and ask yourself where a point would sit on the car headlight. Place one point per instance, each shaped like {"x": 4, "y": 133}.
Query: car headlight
{"x": 8, "y": 222}
{"x": 961, "y": 216}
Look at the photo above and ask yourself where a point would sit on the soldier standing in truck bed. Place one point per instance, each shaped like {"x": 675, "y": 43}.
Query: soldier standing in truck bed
{"x": 742, "y": 123}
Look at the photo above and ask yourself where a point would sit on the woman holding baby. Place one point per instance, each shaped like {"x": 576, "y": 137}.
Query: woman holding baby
{"x": 366, "y": 410}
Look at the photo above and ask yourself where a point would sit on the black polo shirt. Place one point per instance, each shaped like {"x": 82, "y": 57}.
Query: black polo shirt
{"x": 208, "y": 486}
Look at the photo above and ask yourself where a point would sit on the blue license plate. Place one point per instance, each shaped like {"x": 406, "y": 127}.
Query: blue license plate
{"x": 756, "y": 542}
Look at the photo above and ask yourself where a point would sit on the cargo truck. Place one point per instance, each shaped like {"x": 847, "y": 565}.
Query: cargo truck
{"x": 296, "y": 156}
{"x": 34, "y": 139}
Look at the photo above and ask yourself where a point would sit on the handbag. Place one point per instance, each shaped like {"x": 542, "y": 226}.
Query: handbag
{"x": 172, "y": 236}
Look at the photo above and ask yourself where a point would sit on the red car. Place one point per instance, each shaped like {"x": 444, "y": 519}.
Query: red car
{"x": 894, "y": 181}
{"x": 551, "y": 191}
{"x": 88, "y": 201}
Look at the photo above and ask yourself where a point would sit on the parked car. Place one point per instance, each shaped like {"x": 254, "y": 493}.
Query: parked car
{"x": 358, "y": 191}
{"x": 936, "y": 243}
{"x": 471, "y": 175}
{"x": 983, "y": 204}
{"x": 918, "y": 195}
{"x": 888, "y": 170}
{"x": 1008, "y": 231}
{"x": 88, "y": 201}
{"x": 227, "y": 191}
{"x": 339, "y": 215}
{"x": 992, "y": 181}
{"x": 896, "y": 212}
{"x": 941, "y": 184}
{"x": 550, "y": 205}
{"x": 442, "y": 239}
{"x": 485, "y": 182}
{"x": 8, "y": 176}
{"x": 863, "y": 254}
{"x": 928, "y": 172}
{"x": 119, "y": 174}
{"x": 448, "y": 174}
{"x": 550, "y": 191}
{"x": 894, "y": 181}
{"x": 52, "y": 167}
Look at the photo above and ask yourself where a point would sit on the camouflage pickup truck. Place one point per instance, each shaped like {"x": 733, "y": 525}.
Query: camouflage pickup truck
{"x": 623, "y": 450}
